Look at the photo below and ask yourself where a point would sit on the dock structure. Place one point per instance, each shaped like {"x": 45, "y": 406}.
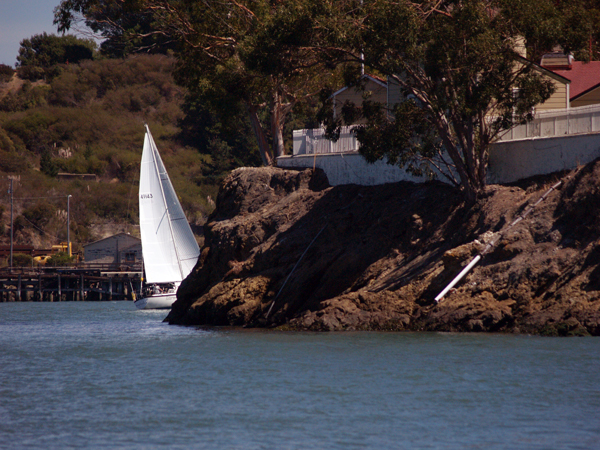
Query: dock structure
{"x": 68, "y": 284}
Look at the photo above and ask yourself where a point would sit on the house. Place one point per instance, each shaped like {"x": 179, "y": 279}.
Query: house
{"x": 584, "y": 78}
{"x": 369, "y": 87}
{"x": 120, "y": 249}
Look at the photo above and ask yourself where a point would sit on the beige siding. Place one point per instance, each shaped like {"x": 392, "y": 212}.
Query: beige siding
{"x": 590, "y": 98}
{"x": 558, "y": 100}
{"x": 373, "y": 92}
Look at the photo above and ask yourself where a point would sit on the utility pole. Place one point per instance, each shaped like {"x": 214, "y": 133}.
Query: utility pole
{"x": 10, "y": 191}
{"x": 69, "y": 224}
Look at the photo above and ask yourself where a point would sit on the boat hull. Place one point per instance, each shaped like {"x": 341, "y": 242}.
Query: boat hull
{"x": 157, "y": 301}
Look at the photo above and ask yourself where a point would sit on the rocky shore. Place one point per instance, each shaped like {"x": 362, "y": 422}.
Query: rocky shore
{"x": 284, "y": 249}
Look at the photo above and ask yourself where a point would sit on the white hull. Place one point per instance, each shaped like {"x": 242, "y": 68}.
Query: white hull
{"x": 156, "y": 301}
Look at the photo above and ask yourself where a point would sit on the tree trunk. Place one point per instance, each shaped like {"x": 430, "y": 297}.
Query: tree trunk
{"x": 263, "y": 146}
{"x": 279, "y": 112}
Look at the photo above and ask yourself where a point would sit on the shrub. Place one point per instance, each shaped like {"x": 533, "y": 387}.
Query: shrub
{"x": 12, "y": 162}
{"x": 21, "y": 260}
{"x": 60, "y": 259}
{"x": 47, "y": 164}
{"x": 26, "y": 98}
{"x": 39, "y": 214}
{"x": 6, "y": 73}
{"x": 30, "y": 73}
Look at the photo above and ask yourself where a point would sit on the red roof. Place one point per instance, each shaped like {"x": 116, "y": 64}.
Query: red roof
{"x": 584, "y": 76}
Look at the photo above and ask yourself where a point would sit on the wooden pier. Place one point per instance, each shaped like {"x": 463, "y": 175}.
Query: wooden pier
{"x": 68, "y": 284}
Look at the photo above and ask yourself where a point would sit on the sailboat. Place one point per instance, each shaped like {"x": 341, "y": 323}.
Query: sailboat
{"x": 168, "y": 245}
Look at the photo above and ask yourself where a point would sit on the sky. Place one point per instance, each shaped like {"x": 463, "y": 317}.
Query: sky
{"x": 21, "y": 19}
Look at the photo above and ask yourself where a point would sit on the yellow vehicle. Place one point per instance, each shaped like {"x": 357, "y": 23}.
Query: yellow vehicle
{"x": 58, "y": 248}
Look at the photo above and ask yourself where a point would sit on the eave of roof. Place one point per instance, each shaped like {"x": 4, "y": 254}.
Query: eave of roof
{"x": 550, "y": 73}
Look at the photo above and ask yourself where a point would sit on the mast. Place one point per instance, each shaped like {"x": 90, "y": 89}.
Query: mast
{"x": 11, "y": 224}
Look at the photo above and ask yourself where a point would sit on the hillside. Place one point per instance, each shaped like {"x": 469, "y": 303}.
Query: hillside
{"x": 88, "y": 119}
{"x": 283, "y": 249}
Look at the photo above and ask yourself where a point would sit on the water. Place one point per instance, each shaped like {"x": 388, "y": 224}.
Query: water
{"x": 105, "y": 376}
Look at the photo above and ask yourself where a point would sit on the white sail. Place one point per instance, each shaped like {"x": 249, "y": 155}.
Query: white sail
{"x": 168, "y": 244}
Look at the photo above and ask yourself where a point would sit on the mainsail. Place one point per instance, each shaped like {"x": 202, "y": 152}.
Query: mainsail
{"x": 168, "y": 244}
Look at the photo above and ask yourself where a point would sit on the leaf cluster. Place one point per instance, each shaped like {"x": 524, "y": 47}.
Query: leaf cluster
{"x": 39, "y": 55}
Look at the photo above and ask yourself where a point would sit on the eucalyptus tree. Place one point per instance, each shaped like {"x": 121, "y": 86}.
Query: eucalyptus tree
{"x": 258, "y": 52}
{"x": 461, "y": 78}
{"x": 125, "y": 26}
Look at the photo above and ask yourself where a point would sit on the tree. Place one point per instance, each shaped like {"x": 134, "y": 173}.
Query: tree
{"x": 47, "y": 164}
{"x": 256, "y": 52}
{"x": 43, "y": 51}
{"x": 462, "y": 80}
{"x": 126, "y": 26}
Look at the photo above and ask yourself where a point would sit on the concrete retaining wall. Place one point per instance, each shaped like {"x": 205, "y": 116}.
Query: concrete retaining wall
{"x": 509, "y": 161}
{"x": 349, "y": 168}
{"x": 515, "y": 160}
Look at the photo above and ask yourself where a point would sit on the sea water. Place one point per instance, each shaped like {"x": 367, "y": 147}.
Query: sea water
{"x": 106, "y": 376}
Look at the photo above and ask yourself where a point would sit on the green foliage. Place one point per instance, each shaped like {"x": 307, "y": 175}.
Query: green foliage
{"x": 39, "y": 54}
{"x": 457, "y": 62}
{"x": 21, "y": 260}
{"x": 6, "y": 73}
{"x": 6, "y": 143}
{"x": 40, "y": 214}
{"x": 89, "y": 119}
{"x": 28, "y": 96}
{"x": 47, "y": 164}
{"x": 20, "y": 223}
{"x": 116, "y": 20}
{"x": 251, "y": 58}
{"x": 13, "y": 162}
{"x": 34, "y": 129}
{"x": 60, "y": 259}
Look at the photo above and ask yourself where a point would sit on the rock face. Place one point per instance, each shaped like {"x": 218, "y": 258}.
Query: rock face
{"x": 283, "y": 249}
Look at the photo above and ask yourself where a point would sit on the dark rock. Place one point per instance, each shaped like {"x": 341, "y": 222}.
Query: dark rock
{"x": 283, "y": 249}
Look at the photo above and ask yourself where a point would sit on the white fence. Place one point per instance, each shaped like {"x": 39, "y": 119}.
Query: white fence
{"x": 311, "y": 141}
{"x": 585, "y": 119}
{"x": 563, "y": 122}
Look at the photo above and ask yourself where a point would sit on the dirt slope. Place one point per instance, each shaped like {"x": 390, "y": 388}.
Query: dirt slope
{"x": 283, "y": 249}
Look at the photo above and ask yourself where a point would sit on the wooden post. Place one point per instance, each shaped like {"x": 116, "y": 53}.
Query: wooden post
{"x": 81, "y": 288}
{"x": 19, "y": 289}
{"x": 110, "y": 288}
{"x": 59, "y": 289}
{"x": 40, "y": 293}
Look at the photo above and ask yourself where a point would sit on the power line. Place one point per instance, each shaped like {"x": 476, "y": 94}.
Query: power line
{"x": 39, "y": 198}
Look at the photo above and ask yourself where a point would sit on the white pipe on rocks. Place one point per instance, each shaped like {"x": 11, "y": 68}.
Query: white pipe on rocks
{"x": 490, "y": 245}
{"x": 458, "y": 277}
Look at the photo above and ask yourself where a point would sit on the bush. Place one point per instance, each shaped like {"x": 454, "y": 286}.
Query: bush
{"x": 6, "y": 73}
{"x": 39, "y": 214}
{"x": 27, "y": 97}
{"x": 60, "y": 259}
{"x": 21, "y": 260}
{"x": 31, "y": 73}
{"x": 12, "y": 162}
{"x": 47, "y": 164}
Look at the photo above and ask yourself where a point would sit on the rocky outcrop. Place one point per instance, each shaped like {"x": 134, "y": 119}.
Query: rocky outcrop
{"x": 284, "y": 249}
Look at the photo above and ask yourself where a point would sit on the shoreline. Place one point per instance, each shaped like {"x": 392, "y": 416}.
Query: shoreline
{"x": 374, "y": 257}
